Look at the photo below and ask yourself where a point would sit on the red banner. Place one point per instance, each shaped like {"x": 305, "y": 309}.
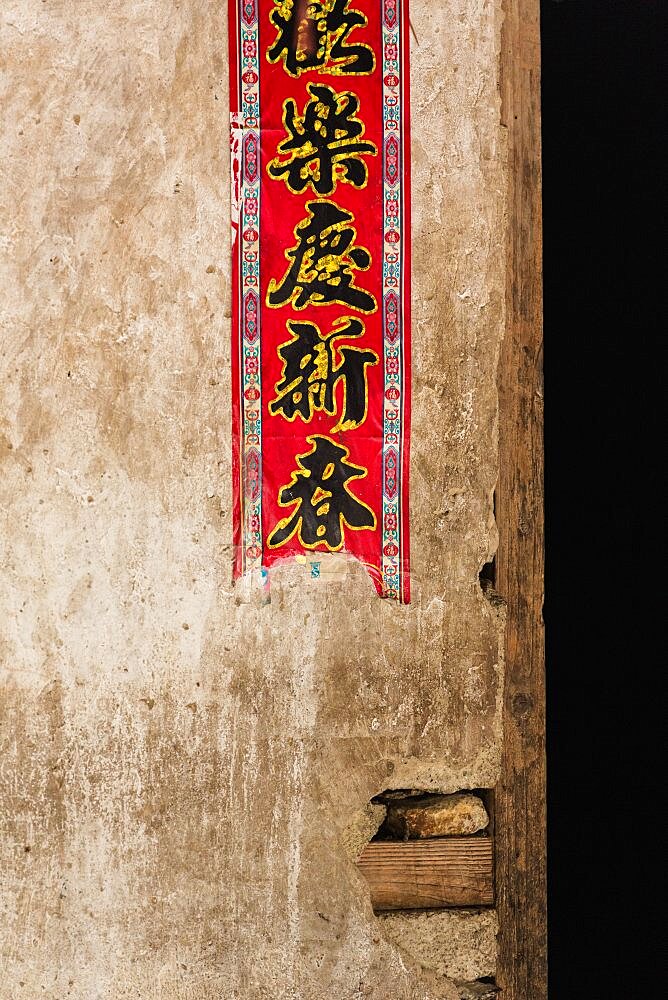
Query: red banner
{"x": 321, "y": 284}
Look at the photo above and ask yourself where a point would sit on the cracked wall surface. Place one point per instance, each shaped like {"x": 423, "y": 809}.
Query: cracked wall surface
{"x": 180, "y": 765}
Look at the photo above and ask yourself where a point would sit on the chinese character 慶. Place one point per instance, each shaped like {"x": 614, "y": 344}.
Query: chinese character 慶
{"x": 323, "y": 263}
{"x": 324, "y": 503}
{"x": 312, "y": 34}
{"x": 311, "y": 373}
{"x": 324, "y": 145}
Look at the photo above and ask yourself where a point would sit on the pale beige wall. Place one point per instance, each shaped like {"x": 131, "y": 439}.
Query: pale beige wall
{"x": 178, "y": 763}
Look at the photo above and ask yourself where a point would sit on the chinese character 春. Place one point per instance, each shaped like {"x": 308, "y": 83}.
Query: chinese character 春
{"x": 311, "y": 373}
{"x": 324, "y": 504}
{"x": 312, "y": 34}
{"x": 324, "y": 145}
{"x": 323, "y": 262}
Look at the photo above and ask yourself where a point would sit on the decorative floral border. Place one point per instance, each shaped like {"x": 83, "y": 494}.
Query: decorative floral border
{"x": 249, "y": 278}
{"x": 392, "y": 556}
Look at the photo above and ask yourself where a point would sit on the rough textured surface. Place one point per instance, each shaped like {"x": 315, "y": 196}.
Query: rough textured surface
{"x": 363, "y": 825}
{"x": 521, "y": 800}
{"x": 436, "y": 816}
{"x": 460, "y": 944}
{"x": 179, "y": 764}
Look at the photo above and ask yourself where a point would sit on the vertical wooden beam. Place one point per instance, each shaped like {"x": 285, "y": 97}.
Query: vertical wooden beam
{"x": 520, "y": 797}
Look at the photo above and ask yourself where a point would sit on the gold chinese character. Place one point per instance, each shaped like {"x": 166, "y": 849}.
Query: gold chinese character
{"x": 324, "y": 503}
{"x": 323, "y": 263}
{"x": 324, "y": 145}
{"x": 312, "y": 34}
{"x": 311, "y": 373}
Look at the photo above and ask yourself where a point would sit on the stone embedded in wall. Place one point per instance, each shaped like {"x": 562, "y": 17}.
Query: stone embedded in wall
{"x": 436, "y": 816}
{"x": 456, "y": 944}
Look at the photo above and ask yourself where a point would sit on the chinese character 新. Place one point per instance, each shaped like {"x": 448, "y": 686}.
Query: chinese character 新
{"x": 311, "y": 373}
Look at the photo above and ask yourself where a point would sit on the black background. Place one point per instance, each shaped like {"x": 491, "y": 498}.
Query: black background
{"x": 603, "y": 91}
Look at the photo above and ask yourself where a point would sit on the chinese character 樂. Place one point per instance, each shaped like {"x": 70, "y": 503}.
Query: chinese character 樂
{"x": 324, "y": 145}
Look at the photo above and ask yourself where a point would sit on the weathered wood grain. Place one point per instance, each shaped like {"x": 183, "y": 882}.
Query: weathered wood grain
{"x": 449, "y": 871}
{"x": 520, "y": 812}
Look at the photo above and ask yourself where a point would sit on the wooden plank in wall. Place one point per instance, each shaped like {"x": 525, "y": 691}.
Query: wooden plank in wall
{"x": 520, "y": 819}
{"x": 420, "y": 874}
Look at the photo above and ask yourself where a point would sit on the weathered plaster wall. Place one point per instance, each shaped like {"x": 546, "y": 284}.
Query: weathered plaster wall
{"x": 179, "y": 764}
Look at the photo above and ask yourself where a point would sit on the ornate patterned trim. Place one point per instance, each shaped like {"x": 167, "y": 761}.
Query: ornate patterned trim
{"x": 249, "y": 290}
{"x": 393, "y": 557}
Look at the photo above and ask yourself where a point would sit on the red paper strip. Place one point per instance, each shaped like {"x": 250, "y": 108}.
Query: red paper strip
{"x": 321, "y": 283}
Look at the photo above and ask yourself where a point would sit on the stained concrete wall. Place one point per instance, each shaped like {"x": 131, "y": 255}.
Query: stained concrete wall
{"x": 181, "y": 766}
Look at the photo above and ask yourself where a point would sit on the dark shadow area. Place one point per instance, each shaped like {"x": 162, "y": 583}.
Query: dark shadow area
{"x": 603, "y": 90}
